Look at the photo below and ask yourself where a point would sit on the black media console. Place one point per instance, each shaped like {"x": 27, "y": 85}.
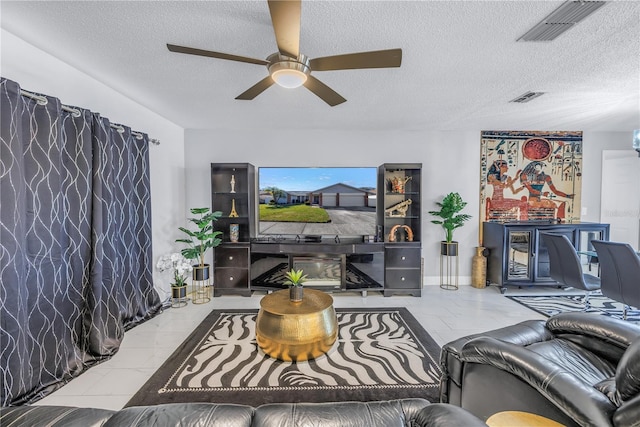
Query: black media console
{"x": 355, "y": 266}
{"x": 246, "y": 262}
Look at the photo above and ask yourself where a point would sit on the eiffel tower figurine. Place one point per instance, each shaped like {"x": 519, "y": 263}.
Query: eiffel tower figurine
{"x": 233, "y": 213}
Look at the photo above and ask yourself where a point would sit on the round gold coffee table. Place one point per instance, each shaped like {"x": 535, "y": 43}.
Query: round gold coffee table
{"x": 520, "y": 419}
{"x": 296, "y": 331}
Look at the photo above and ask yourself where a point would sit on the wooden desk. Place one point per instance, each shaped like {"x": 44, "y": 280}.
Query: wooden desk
{"x": 520, "y": 419}
{"x": 296, "y": 331}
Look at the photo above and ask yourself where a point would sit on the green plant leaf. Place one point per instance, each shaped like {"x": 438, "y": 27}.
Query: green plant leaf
{"x": 203, "y": 238}
{"x": 450, "y": 206}
{"x": 295, "y": 277}
{"x": 198, "y": 211}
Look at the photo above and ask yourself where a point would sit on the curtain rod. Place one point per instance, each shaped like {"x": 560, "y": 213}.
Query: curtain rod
{"x": 138, "y": 135}
{"x": 41, "y": 100}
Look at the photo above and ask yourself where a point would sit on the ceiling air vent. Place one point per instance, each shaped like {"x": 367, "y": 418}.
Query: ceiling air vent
{"x": 526, "y": 97}
{"x": 560, "y": 20}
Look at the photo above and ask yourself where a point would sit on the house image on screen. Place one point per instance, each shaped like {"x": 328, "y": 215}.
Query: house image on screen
{"x": 335, "y": 195}
{"x": 343, "y": 195}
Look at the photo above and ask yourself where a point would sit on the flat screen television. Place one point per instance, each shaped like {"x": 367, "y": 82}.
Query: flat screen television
{"x": 317, "y": 201}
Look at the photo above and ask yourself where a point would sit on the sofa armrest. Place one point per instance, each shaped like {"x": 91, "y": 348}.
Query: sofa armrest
{"x": 611, "y": 330}
{"x": 582, "y": 403}
{"x": 628, "y": 415}
{"x": 445, "y": 415}
{"x": 523, "y": 333}
{"x": 49, "y": 415}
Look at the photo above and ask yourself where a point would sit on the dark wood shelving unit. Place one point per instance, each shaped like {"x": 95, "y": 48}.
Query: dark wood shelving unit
{"x": 232, "y": 259}
{"x": 400, "y": 229}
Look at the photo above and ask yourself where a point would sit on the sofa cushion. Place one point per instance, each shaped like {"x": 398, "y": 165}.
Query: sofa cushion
{"x": 584, "y": 365}
{"x": 184, "y": 415}
{"x": 392, "y": 413}
{"x": 628, "y": 372}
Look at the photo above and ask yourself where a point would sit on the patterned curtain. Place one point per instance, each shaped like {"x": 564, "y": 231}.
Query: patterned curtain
{"x": 75, "y": 242}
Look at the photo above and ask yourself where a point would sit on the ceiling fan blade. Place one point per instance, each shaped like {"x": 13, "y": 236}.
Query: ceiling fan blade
{"x": 352, "y": 61}
{"x": 323, "y": 91}
{"x": 211, "y": 54}
{"x": 256, "y": 89}
{"x": 285, "y": 16}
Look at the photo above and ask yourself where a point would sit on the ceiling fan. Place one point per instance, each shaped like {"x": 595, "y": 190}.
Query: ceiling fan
{"x": 289, "y": 68}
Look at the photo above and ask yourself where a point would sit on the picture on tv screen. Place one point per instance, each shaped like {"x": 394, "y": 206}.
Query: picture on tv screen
{"x": 328, "y": 201}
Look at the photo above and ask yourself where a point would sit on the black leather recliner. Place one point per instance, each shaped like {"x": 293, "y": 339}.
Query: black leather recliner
{"x": 580, "y": 369}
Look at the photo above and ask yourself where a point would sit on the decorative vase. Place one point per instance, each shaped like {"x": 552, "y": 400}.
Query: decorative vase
{"x": 295, "y": 293}
{"x": 479, "y": 269}
{"x": 234, "y": 233}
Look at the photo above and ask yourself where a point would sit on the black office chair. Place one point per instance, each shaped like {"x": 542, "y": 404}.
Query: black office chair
{"x": 620, "y": 273}
{"x": 590, "y": 258}
{"x": 565, "y": 267}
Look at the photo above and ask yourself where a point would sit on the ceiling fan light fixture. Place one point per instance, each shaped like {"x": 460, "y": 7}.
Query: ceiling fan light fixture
{"x": 287, "y": 72}
{"x": 289, "y": 78}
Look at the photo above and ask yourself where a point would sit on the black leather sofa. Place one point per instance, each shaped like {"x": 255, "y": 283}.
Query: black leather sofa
{"x": 580, "y": 369}
{"x": 393, "y": 413}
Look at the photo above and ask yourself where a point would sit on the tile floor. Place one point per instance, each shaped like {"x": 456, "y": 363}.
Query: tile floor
{"x": 445, "y": 314}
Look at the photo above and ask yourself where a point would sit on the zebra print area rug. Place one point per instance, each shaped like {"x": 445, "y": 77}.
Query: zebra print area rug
{"x": 549, "y": 305}
{"x": 379, "y": 354}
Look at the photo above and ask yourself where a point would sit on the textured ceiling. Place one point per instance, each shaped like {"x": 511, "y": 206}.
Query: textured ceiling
{"x": 461, "y": 62}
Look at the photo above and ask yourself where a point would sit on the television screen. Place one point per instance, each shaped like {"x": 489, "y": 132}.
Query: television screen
{"x": 323, "y": 201}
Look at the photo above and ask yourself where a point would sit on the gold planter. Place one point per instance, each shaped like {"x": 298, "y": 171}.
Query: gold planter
{"x": 201, "y": 289}
{"x": 178, "y": 296}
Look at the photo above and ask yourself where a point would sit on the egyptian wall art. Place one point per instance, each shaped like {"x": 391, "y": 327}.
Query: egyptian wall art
{"x": 530, "y": 176}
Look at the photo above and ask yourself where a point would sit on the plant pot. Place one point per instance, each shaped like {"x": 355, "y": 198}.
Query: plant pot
{"x": 296, "y": 293}
{"x": 201, "y": 272}
{"x": 179, "y": 292}
{"x": 449, "y": 248}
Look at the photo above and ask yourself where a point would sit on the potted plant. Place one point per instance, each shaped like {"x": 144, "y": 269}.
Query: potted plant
{"x": 295, "y": 278}
{"x": 201, "y": 240}
{"x": 450, "y": 207}
{"x": 180, "y": 267}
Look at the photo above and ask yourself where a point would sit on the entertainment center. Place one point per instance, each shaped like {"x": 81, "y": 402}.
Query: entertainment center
{"x": 370, "y": 242}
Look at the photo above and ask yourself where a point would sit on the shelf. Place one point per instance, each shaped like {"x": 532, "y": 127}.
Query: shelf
{"x": 408, "y": 193}
{"x": 227, "y": 193}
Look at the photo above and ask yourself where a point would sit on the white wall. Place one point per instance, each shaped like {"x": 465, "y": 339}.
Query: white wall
{"x": 444, "y": 170}
{"x": 450, "y": 163}
{"x": 40, "y": 72}
{"x": 594, "y": 144}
